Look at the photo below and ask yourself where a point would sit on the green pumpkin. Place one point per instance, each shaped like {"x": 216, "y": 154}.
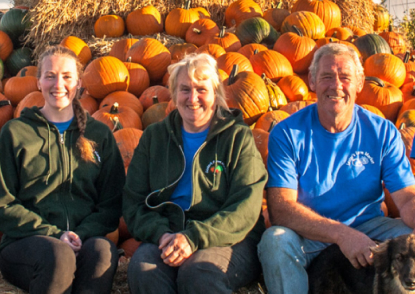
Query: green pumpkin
{"x": 19, "y": 58}
{"x": 14, "y": 23}
{"x": 371, "y": 44}
{"x": 256, "y": 30}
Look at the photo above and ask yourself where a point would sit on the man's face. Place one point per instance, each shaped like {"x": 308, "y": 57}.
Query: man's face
{"x": 336, "y": 85}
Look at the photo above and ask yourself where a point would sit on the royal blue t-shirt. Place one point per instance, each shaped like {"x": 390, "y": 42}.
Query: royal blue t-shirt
{"x": 338, "y": 175}
{"x": 182, "y": 195}
{"x": 62, "y": 126}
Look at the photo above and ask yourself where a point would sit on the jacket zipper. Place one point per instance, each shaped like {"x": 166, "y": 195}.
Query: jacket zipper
{"x": 194, "y": 156}
{"x": 64, "y": 165}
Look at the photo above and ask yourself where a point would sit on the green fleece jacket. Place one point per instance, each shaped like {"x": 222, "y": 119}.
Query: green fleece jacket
{"x": 228, "y": 178}
{"x": 45, "y": 186}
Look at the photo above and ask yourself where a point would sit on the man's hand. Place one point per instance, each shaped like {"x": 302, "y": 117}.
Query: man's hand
{"x": 73, "y": 240}
{"x": 356, "y": 247}
{"x": 175, "y": 249}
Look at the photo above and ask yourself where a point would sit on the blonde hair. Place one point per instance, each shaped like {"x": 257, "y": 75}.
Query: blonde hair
{"x": 199, "y": 67}
{"x": 84, "y": 145}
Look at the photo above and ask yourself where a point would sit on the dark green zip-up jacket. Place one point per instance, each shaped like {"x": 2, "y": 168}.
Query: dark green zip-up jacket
{"x": 45, "y": 186}
{"x": 228, "y": 178}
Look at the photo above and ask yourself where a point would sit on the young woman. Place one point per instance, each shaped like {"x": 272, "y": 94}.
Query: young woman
{"x": 194, "y": 191}
{"x": 61, "y": 177}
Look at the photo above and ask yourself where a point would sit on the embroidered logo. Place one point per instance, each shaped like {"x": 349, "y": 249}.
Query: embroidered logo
{"x": 360, "y": 158}
{"x": 220, "y": 167}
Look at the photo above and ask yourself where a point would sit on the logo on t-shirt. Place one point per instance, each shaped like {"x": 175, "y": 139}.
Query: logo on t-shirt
{"x": 360, "y": 158}
{"x": 215, "y": 168}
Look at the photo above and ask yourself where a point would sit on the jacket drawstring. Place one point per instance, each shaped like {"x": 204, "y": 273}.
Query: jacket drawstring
{"x": 49, "y": 156}
{"x": 70, "y": 165}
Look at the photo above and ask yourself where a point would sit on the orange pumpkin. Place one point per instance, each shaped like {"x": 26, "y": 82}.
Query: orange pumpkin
{"x": 214, "y": 50}
{"x": 386, "y": 67}
{"x": 275, "y": 16}
{"x": 151, "y": 54}
{"x": 120, "y": 48}
{"x": 155, "y": 113}
{"x": 144, "y": 21}
{"x": 79, "y": 47}
{"x": 293, "y": 88}
{"x": 127, "y": 140}
{"x": 179, "y": 20}
{"x": 247, "y": 91}
{"x": 261, "y": 142}
{"x": 17, "y": 88}
{"x": 410, "y": 104}
{"x": 117, "y": 117}
{"x": 293, "y": 107}
{"x": 340, "y": 33}
{"x": 30, "y": 70}
{"x": 381, "y": 18}
{"x": 226, "y": 62}
{"x": 139, "y": 78}
{"x": 383, "y": 95}
{"x": 161, "y": 93}
{"x": 307, "y": 22}
{"x": 32, "y": 99}
{"x": 240, "y": 10}
{"x": 179, "y": 51}
{"x": 328, "y": 11}
{"x": 89, "y": 103}
{"x": 6, "y": 110}
{"x": 268, "y": 120}
{"x": 407, "y": 134}
{"x": 105, "y": 75}
{"x": 113, "y": 236}
{"x": 250, "y": 49}
{"x": 111, "y": 26}
{"x": 6, "y": 45}
{"x": 272, "y": 63}
{"x": 408, "y": 91}
{"x": 395, "y": 40}
{"x": 227, "y": 40}
{"x": 201, "y": 30}
{"x": 407, "y": 118}
{"x": 129, "y": 246}
{"x": 373, "y": 109}
{"x": 123, "y": 98}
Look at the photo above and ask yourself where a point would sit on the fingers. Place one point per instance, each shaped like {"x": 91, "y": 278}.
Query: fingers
{"x": 165, "y": 239}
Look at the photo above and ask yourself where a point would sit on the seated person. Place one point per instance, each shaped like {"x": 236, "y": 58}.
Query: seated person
{"x": 194, "y": 191}
{"x": 326, "y": 166}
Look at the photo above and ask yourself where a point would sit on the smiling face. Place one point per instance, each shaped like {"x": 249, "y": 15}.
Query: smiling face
{"x": 336, "y": 84}
{"x": 58, "y": 83}
{"x": 196, "y": 102}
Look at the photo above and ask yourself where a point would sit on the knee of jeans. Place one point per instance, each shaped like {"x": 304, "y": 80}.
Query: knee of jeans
{"x": 197, "y": 275}
{"x": 276, "y": 240}
{"x": 62, "y": 256}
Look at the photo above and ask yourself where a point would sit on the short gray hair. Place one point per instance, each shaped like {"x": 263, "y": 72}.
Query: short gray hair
{"x": 334, "y": 49}
{"x": 199, "y": 67}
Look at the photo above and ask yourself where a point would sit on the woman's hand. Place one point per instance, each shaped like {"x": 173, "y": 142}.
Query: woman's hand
{"x": 73, "y": 240}
{"x": 175, "y": 249}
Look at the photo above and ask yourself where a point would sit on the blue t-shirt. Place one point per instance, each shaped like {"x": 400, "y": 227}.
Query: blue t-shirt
{"x": 62, "y": 126}
{"x": 413, "y": 149}
{"x": 182, "y": 195}
{"x": 338, "y": 175}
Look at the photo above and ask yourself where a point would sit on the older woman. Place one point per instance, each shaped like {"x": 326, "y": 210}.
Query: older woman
{"x": 194, "y": 190}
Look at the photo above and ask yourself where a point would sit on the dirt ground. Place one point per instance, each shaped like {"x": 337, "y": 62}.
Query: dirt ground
{"x": 120, "y": 283}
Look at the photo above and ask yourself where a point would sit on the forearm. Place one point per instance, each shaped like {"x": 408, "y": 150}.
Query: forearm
{"x": 303, "y": 220}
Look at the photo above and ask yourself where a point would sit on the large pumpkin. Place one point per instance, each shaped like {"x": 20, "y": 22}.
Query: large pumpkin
{"x": 408, "y": 91}
{"x": 328, "y": 11}
{"x": 298, "y": 49}
{"x": 307, "y": 22}
{"x": 407, "y": 134}
{"x": 293, "y": 88}
{"x": 17, "y": 88}
{"x": 161, "y": 93}
{"x": 89, "y": 103}
{"x": 226, "y": 62}
{"x": 386, "y": 67}
{"x": 371, "y": 44}
{"x": 79, "y": 47}
{"x": 293, "y": 107}
{"x": 229, "y": 41}
{"x": 381, "y": 18}
{"x": 268, "y": 120}
{"x": 123, "y": 98}
{"x": 395, "y": 40}
{"x": 275, "y": 16}
{"x": 407, "y": 118}
{"x": 32, "y": 99}
{"x": 105, "y": 75}
{"x": 261, "y": 142}
{"x": 139, "y": 78}
{"x": 127, "y": 140}
{"x": 151, "y": 54}
{"x": 155, "y": 113}
{"x": 247, "y": 91}
{"x": 273, "y": 64}
{"x": 256, "y": 30}
{"x": 214, "y": 50}
{"x": 144, "y": 21}
{"x": 118, "y": 117}
{"x": 18, "y": 59}
{"x": 240, "y": 10}
{"x": 180, "y": 50}
{"x": 250, "y": 49}
{"x": 179, "y": 20}
{"x": 120, "y": 48}
{"x": 201, "y": 30}
{"x": 6, "y": 45}
{"x": 15, "y": 22}
{"x": 383, "y": 95}
{"x": 111, "y": 26}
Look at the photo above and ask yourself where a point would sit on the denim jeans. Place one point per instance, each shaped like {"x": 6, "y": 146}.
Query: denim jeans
{"x": 46, "y": 265}
{"x": 285, "y": 255}
{"x": 212, "y": 270}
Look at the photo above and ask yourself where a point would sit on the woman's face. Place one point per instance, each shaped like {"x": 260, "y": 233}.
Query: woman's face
{"x": 196, "y": 102}
{"x": 58, "y": 82}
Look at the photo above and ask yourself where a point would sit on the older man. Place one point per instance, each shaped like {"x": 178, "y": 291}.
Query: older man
{"x": 326, "y": 166}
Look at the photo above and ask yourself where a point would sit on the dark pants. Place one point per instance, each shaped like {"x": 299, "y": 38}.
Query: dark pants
{"x": 213, "y": 270}
{"x": 41, "y": 264}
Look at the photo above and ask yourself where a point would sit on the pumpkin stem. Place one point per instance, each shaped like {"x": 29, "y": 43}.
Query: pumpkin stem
{"x": 5, "y": 103}
{"x": 376, "y": 80}
{"x": 256, "y": 51}
{"x": 272, "y": 125}
{"x": 402, "y": 126}
{"x": 390, "y": 27}
{"x": 129, "y": 59}
{"x": 197, "y": 31}
{"x": 130, "y": 36}
{"x": 187, "y": 4}
{"x": 155, "y": 99}
{"x": 117, "y": 125}
{"x": 222, "y": 32}
{"x": 406, "y": 57}
{"x": 114, "y": 108}
{"x": 297, "y": 30}
{"x": 392, "y": 52}
{"x": 233, "y": 74}
{"x": 331, "y": 40}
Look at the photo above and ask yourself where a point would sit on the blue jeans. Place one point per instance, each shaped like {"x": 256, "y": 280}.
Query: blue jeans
{"x": 285, "y": 255}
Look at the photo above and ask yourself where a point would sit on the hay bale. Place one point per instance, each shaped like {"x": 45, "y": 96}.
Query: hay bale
{"x": 54, "y": 20}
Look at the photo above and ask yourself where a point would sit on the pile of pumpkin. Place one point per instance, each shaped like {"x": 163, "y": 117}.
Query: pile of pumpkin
{"x": 263, "y": 60}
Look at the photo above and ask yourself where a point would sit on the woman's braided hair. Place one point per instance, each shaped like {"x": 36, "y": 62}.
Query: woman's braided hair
{"x": 85, "y": 146}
